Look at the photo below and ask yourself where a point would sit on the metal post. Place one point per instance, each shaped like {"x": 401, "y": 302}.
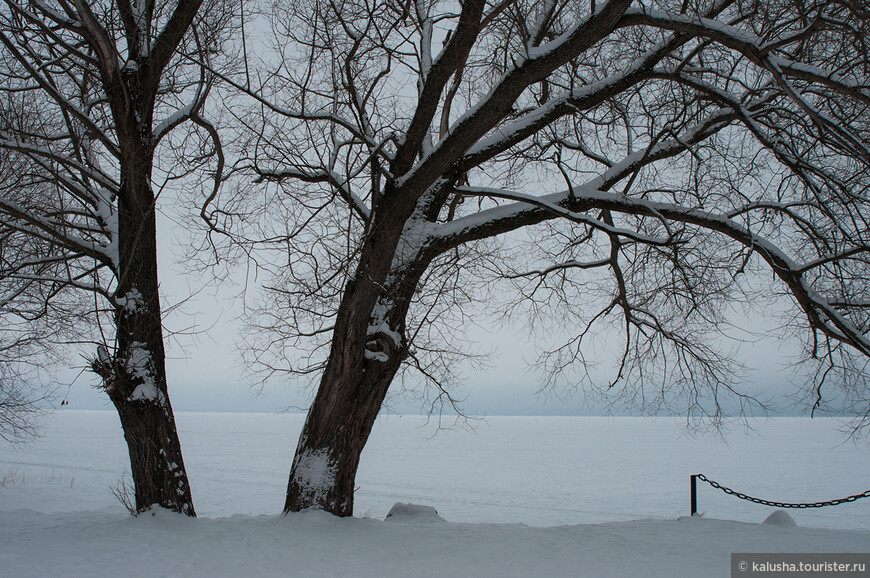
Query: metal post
{"x": 694, "y": 494}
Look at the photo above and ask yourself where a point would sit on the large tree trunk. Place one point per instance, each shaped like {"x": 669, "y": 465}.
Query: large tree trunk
{"x": 158, "y": 472}
{"x": 135, "y": 378}
{"x": 366, "y": 352}
{"x": 335, "y": 432}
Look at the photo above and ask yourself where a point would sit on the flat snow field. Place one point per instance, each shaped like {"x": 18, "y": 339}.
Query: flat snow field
{"x": 515, "y": 496}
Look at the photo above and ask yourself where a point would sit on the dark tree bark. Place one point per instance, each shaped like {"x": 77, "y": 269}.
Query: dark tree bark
{"x": 368, "y": 348}
{"x": 137, "y": 385}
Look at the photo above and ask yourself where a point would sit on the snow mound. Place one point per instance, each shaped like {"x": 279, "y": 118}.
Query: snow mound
{"x": 402, "y": 512}
{"x": 161, "y": 518}
{"x": 780, "y": 518}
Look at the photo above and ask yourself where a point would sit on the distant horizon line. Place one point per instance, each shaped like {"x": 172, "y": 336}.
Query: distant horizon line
{"x": 486, "y": 415}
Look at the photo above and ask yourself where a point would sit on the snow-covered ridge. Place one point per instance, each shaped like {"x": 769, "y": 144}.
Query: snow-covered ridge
{"x": 159, "y": 543}
{"x": 610, "y": 494}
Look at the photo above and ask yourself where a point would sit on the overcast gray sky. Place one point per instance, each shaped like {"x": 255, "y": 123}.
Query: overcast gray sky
{"x": 205, "y": 373}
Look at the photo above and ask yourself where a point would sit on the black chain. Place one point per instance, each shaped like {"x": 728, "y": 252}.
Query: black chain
{"x": 742, "y": 496}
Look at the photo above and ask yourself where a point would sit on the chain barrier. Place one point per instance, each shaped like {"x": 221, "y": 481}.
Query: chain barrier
{"x": 743, "y": 496}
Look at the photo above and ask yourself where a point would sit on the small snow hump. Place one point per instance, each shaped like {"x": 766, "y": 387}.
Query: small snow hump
{"x": 780, "y": 518}
{"x": 402, "y": 512}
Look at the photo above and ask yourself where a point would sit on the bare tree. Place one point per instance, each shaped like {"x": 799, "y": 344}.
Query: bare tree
{"x": 661, "y": 158}
{"x": 23, "y": 348}
{"x": 22, "y": 390}
{"x": 90, "y": 90}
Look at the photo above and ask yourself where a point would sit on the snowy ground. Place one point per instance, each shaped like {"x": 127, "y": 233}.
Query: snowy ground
{"x": 518, "y": 497}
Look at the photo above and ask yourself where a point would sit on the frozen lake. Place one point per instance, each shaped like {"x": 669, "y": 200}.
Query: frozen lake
{"x": 540, "y": 471}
